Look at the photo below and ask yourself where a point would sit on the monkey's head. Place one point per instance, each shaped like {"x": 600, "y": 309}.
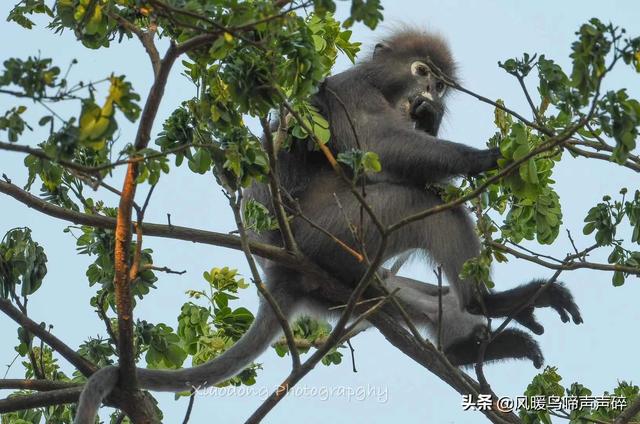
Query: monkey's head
{"x": 402, "y": 69}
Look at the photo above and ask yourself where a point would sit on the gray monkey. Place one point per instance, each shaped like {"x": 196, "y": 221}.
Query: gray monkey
{"x": 396, "y": 103}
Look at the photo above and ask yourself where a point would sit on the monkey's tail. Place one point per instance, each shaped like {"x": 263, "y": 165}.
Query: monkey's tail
{"x": 95, "y": 390}
{"x": 261, "y": 333}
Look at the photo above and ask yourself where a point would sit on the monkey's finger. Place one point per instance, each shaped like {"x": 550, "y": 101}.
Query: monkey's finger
{"x": 560, "y": 310}
{"x": 560, "y": 298}
{"x": 575, "y": 313}
{"x": 564, "y": 300}
{"x": 527, "y": 319}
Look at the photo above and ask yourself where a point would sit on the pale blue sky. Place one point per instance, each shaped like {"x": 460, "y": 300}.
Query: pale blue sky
{"x": 597, "y": 353}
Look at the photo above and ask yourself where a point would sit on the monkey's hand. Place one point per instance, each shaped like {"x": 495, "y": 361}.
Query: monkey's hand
{"x": 483, "y": 160}
{"x": 426, "y": 114}
{"x": 554, "y": 295}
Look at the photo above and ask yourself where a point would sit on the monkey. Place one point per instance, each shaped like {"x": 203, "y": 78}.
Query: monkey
{"x": 392, "y": 104}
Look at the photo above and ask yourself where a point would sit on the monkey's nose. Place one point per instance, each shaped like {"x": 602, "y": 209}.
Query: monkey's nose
{"x": 427, "y": 95}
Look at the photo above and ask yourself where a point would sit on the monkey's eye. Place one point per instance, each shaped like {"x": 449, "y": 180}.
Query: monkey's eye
{"x": 419, "y": 69}
{"x": 439, "y": 86}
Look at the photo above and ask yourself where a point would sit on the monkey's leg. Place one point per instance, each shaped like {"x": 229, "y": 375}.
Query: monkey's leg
{"x": 510, "y": 343}
{"x": 462, "y": 332}
{"x": 448, "y": 237}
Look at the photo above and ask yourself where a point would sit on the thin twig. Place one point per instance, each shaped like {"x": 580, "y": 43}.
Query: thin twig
{"x": 274, "y": 186}
{"x": 298, "y": 212}
{"x": 145, "y": 37}
{"x": 164, "y": 269}
{"x": 105, "y": 319}
{"x": 534, "y": 110}
{"x": 187, "y": 414}
{"x": 352, "y": 351}
{"x": 235, "y": 202}
{"x": 438, "y": 273}
{"x": 81, "y": 364}
{"x": 567, "y": 266}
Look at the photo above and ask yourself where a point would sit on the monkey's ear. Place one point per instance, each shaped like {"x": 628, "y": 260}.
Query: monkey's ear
{"x": 380, "y": 48}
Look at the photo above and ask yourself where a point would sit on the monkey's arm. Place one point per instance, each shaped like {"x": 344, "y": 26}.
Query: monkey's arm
{"x": 417, "y": 156}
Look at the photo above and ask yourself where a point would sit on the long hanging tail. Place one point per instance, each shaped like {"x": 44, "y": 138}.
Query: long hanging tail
{"x": 95, "y": 390}
{"x": 263, "y": 331}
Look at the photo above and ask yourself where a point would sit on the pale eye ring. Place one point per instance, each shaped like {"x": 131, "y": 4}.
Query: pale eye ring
{"x": 419, "y": 69}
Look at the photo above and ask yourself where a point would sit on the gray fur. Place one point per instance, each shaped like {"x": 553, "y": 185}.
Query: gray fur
{"x": 396, "y": 117}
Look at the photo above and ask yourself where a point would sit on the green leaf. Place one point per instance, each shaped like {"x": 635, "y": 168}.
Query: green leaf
{"x": 618, "y": 278}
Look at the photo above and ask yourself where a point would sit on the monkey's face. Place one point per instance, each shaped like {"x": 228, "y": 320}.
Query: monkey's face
{"x": 425, "y": 98}
{"x": 400, "y": 69}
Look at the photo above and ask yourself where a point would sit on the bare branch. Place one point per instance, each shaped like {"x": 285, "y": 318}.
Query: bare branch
{"x": 187, "y": 414}
{"x": 38, "y": 97}
{"x": 438, "y": 273}
{"x": 629, "y": 412}
{"x": 100, "y": 310}
{"x": 168, "y": 231}
{"x": 94, "y": 171}
{"x": 36, "y": 385}
{"x": 534, "y": 110}
{"x": 565, "y": 266}
{"x": 274, "y": 186}
{"x": 600, "y": 156}
{"x": 145, "y": 37}
{"x": 298, "y": 212}
{"x": 82, "y": 364}
{"x": 164, "y": 269}
{"x": 454, "y": 84}
{"x": 13, "y": 147}
{"x": 234, "y": 201}
{"x": 37, "y": 400}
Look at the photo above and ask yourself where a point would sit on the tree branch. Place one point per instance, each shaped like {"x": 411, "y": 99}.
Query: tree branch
{"x": 149, "y": 229}
{"x": 629, "y": 412}
{"x": 274, "y": 186}
{"x": 565, "y": 266}
{"x": 82, "y": 364}
{"x": 234, "y": 202}
{"x": 37, "y": 385}
{"x": 37, "y": 400}
{"x": 145, "y": 37}
{"x": 571, "y": 146}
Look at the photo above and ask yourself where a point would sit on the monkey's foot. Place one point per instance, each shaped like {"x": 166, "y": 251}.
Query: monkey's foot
{"x": 554, "y": 295}
{"x": 508, "y": 344}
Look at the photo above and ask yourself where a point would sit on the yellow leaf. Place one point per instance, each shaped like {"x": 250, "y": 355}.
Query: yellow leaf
{"x": 228, "y": 37}
{"x": 217, "y": 343}
{"x": 107, "y": 109}
{"x": 115, "y": 91}
{"x": 48, "y": 78}
{"x": 96, "y": 144}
